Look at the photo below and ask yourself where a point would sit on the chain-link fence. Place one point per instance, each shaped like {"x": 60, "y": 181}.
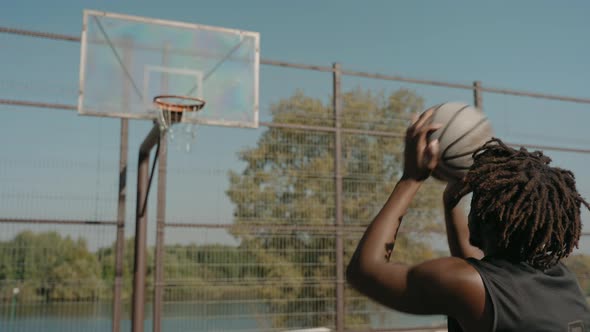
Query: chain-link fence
{"x": 252, "y": 229}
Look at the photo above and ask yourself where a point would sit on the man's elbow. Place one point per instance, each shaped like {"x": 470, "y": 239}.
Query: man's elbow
{"x": 359, "y": 273}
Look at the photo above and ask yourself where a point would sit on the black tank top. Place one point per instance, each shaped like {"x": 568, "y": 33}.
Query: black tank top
{"x": 527, "y": 299}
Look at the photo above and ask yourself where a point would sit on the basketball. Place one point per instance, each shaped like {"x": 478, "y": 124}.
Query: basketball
{"x": 464, "y": 129}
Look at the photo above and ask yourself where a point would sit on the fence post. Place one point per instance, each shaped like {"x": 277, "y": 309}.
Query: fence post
{"x": 160, "y": 220}
{"x": 337, "y": 95}
{"x": 160, "y": 214}
{"x": 477, "y": 98}
{"x": 120, "y": 242}
{"x": 122, "y": 202}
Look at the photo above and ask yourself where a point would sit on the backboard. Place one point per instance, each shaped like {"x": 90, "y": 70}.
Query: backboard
{"x": 126, "y": 61}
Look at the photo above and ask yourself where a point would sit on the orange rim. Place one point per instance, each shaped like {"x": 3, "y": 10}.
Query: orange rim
{"x": 196, "y": 104}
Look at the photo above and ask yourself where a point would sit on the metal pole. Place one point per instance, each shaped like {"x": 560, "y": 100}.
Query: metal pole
{"x": 278, "y": 63}
{"x": 120, "y": 242}
{"x": 338, "y": 199}
{"x": 477, "y": 98}
{"x": 267, "y": 124}
{"x": 143, "y": 178}
{"x": 160, "y": 223}
{"x": 161, "y": 212}
{"x": 122, "y": 202}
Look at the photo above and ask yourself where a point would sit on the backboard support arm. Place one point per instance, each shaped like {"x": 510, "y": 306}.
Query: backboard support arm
{"x": 139, "y": 270}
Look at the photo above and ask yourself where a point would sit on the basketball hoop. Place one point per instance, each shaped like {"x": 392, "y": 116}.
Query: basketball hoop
{"x": 171, "y": 108}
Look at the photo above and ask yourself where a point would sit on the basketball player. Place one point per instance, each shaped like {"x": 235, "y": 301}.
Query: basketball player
{"x": 505, "y": 273}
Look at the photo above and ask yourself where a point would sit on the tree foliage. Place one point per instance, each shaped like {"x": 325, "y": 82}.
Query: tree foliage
{"x": 47, "y": 266}
{"x": 289, "y": 178}
{"x": 579, "y": 264}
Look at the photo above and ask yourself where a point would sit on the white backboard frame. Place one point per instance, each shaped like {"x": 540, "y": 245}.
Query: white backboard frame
{"x": 149, "y": 115}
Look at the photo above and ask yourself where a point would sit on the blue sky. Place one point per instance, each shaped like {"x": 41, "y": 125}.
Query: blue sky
{"x": 537, "y": 46}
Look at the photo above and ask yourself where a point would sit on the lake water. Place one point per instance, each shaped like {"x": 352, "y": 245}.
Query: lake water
{"x": 91, "y": 317}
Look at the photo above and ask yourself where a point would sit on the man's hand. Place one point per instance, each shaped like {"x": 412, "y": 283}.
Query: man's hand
{"x": 420, "y": 157}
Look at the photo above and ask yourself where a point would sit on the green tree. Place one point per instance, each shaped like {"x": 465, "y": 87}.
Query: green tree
{"x": 289, "y": 179}
{"x": 107, "y": 257}
{"x": 579, "y": 264}
{"x": 47, "y": 266}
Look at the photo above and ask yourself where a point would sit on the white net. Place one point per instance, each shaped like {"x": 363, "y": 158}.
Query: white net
{"x": 180, "y": 135}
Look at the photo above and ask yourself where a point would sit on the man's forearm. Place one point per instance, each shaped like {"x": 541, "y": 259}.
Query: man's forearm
{"x": 458, "y": 233}
{"x": 377, "y": 242}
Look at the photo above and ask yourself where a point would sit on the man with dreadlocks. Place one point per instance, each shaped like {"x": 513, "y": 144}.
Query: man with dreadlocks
{"x": 505, "y": 273}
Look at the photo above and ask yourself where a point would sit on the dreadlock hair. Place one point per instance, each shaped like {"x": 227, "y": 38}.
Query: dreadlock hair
{"x": 534, "y": 207}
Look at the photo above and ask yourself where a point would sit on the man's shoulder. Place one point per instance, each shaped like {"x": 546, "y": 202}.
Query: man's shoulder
{"x": 453, "y": 276}
{"x": 448, "y": 269}
{"x": 456, "y": 283}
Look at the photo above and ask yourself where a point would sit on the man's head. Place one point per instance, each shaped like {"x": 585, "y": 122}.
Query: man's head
{"x": 532, "y": 210}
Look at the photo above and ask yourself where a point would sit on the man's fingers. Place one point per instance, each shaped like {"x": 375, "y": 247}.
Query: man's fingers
{"x": 422, "y": 141}
{"x": 415, "y": 118}
{"x": 427, "y": 130}
{"x": 424, "y": 117}
{"x": 431, "y": 127}
{"x": 420, "y": 121}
